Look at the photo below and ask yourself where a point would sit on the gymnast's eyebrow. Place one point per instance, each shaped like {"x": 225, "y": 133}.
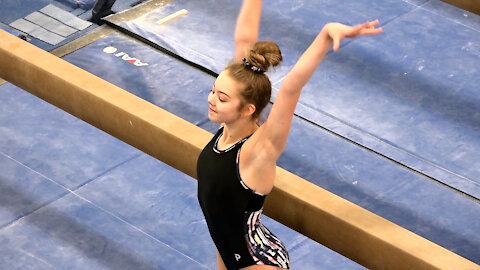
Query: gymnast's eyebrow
{"x": 220, "y": 91}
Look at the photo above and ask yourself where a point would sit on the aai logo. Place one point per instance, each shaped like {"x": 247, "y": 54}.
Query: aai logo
{"x": 124, "y": 56}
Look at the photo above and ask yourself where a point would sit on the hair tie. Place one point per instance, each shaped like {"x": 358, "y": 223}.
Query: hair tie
{"x": 252, "y": 67}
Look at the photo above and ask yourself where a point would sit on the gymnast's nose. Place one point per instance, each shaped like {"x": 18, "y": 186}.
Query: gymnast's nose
{"x": 211, "y": 99}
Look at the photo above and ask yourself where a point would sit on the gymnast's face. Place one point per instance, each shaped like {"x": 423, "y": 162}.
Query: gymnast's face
{"x": 224, "y": 100}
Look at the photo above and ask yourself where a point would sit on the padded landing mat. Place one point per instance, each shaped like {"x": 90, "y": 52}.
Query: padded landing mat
{"x": 409, "y": 94}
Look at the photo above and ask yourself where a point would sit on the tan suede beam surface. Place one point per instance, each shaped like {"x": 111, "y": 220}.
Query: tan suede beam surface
{"x": 330, "y": 220}
{"x": 470, "y": 5}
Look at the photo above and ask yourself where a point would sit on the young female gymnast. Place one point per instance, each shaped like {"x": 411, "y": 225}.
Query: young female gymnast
{"x": 236, "y": 170}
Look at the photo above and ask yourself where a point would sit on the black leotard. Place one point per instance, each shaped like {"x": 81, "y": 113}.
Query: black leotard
{"x": 233, "y": 211}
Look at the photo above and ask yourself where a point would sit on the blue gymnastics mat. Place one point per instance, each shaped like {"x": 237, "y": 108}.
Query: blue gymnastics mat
{"x": 88, "y": 201}
{"x": 318, "y": 155}
{"x": 409, "y": 94}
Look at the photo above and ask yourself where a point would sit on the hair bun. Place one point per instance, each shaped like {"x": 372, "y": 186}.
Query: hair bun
{"x": 264, "y": 54}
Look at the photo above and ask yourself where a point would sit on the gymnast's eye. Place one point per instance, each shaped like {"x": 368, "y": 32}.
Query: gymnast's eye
{"x": 222, "y": 97}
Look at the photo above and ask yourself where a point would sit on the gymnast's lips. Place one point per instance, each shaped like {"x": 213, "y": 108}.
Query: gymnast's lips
{"x": 211, "y": 110}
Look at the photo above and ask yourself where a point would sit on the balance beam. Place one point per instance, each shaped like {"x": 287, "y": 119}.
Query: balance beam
{"x": 320, "y": 215}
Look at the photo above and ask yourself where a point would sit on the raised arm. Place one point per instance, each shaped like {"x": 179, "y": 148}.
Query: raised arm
{"x": 246, "y": 30}
{"x": 276, "y": 128}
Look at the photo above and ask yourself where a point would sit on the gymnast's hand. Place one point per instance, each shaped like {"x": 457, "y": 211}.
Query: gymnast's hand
{"x": 338, "y": 31}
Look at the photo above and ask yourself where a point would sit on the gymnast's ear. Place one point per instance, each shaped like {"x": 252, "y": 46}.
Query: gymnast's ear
{"x": 249, "y": 110}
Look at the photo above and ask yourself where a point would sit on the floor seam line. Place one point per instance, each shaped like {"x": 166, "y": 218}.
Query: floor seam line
{"x": 61, "y": 195}
{"x": 69, "y": 191}
{"x": 136, "y": 228}
{"x": 106, "y": 171}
